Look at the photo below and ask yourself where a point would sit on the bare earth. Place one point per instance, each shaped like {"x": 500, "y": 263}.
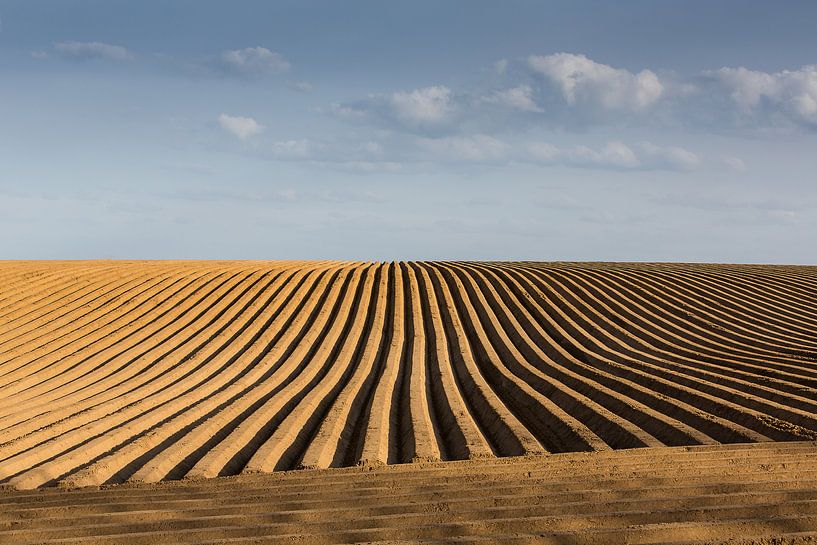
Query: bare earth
{"x": 581, "y": 374}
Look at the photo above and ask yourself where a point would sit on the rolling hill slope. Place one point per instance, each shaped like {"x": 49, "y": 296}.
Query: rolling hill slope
{"x": 115, "y": 372}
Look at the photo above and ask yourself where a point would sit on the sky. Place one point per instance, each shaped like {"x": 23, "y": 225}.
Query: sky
{"x": 367, "y": 130}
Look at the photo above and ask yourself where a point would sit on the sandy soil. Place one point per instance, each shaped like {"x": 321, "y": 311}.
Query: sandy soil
{"x": 140, "y": 372}
{"x": 758, "y": 493}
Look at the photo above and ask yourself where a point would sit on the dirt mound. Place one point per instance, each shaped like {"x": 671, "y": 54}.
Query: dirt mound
{"x": 116, "y": 372}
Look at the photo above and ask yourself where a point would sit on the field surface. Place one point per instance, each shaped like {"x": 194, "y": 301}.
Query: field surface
{"x": 731, "y": 494}
{"x": 141, "y": 372}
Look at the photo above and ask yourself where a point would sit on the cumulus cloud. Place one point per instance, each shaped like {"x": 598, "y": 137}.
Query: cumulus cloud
{"x": 517, "y": 98}
{"x": 791, "y": 94}
{"x": 566, "y": 89}
{"x": 615, "y": 155}
{"x": 241, "y": 127}
{"x": 572, "y": 91}
{"x": 88, "y": 51}
{"x": 584, "y": 82}
{"x": 250, "y": 61}
{"x": 746, "y": 87}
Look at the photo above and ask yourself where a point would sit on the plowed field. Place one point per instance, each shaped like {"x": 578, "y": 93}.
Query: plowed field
{"x": 140, "y": 372}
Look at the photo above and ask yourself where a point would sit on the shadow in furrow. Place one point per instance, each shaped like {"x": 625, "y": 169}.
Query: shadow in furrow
{"x": 292, "y": 456}
{"x": 617, "y": 404}
{"x": 549, "y": 429}
{"x": 402, "y": 444}
{"x": 362, "y": 405}
{"x": 240, "y": 459}
{"x": 452, "y": 442}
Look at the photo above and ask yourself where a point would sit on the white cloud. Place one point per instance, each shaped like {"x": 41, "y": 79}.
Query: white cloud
{"x": 518, "y": 98}
{"x": 575, "y": 92}
{"x": 566, "y": 89}
{"x": 421, "y": 106}
{"x": 746, "y": 86}
{"x": 428, "y": 109}
{"x": 586, "y": 82}
{"x": 790, "y": 93}
{"x": 251, "y": 61}
{"x": 479, "y": 147}
{"x": 86, "y": 51}
{"x": 616, "y": 155}
{"x": 242, "y": 127}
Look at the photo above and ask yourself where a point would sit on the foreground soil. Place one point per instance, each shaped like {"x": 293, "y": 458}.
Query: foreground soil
{"x": 760, "y": 493}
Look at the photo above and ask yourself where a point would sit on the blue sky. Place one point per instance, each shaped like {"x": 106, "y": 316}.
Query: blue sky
{"x": 672, "y": 131}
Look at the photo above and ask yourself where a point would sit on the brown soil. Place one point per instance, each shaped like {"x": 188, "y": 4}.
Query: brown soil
{"x": 758, "y": 493}
{"x": 141, "y": 372}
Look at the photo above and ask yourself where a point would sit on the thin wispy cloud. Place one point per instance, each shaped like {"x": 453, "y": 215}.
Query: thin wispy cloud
{"x": 249, "y": 62}
{"x": 292, "y": 149}
{"x": 616, "y": 155}
{"x": 86, "y": 51}
{"x": 245, "y": 63}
